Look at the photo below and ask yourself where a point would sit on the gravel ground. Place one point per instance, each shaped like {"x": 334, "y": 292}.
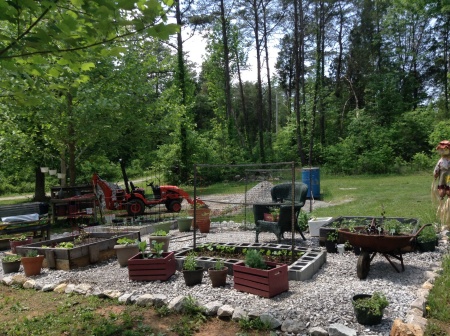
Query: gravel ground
{"x": 320, "y": 301}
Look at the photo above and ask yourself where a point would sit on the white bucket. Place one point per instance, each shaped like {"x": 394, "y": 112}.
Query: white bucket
{"x": 341, "y": 248}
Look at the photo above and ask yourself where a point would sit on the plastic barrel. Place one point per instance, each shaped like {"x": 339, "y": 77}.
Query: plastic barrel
{"x": 311, "y": 177}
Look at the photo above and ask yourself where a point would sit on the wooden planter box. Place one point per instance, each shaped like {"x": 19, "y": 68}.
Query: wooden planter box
{"x": 140, "y": 269}
{"x": 101, "y": 248}
{"x": 266, "y": 283}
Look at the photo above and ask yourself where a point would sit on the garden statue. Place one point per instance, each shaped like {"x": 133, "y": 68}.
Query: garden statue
{"x": 442, "y": 176}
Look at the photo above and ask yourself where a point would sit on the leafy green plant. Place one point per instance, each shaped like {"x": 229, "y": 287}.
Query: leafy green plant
{"x": 248, "y": 324}
{"x": 219, "y": 265}
{"x": 67, "y": 245}
{"x": 157, "y": 249}
{"x": 190, "y": 262}
{"x": 19, "y": 238}
{"x": 333, "y": 236}
{"x": 126, "y": 241}
{"x": 254, "y": 259}
{"x": 303, "y": 219}
{"x": 428, "y": 234}
{"x": 373, "y": 305}
{"x": 11, "y": 258}
{"x": 392, "y": 227}
{"x": 32, "y": 253}
{"x": 159, "y": 233}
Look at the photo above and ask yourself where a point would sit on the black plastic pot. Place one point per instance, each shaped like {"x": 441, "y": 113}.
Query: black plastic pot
{"x": 362, "y": 315}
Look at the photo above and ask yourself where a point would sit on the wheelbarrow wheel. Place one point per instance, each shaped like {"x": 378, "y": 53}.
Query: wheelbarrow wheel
{"x": 363, "y": 266}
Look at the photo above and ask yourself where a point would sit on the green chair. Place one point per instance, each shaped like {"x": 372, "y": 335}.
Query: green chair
{"x": 282, "y": 194}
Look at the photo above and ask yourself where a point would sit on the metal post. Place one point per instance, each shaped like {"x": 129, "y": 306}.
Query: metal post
{"x": 293, "y": 210}
{"x": 195, "y": 206}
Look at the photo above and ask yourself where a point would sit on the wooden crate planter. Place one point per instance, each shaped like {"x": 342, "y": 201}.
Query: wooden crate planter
{"x": 70, "y": 258}
{"x": 265, "y": 283}
{"x": 140, "y": 269}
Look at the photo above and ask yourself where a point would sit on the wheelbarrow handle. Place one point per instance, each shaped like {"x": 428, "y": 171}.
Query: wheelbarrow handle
{"x": 419, "y": 231}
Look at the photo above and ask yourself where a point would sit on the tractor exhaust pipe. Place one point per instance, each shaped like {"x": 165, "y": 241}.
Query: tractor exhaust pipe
{"x": 125, "y": 177}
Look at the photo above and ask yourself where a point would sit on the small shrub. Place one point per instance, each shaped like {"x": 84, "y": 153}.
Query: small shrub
{"x": 248, "y": 324}
{"x": 374, "y": 305}
{"x": 11, "y": 258}
{"x": 254, "y": 259}
{"x": 190, "y": 263}
{"x": 32, "y": 253}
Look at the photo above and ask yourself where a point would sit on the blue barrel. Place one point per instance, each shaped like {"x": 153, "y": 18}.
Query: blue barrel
{"x": 311, "y": 177}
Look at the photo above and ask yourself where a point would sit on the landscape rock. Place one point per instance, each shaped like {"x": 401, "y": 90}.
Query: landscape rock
{"x": 337, "y": 329}
{"x": 405, "y": 329}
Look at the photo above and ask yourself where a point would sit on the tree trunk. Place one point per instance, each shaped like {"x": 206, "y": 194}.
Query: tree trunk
{"x": 39, "y": 185}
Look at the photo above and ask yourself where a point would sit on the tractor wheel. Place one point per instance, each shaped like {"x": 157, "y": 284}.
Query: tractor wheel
{"x": 174, "y": 206}
{"x": 135, "y": 207}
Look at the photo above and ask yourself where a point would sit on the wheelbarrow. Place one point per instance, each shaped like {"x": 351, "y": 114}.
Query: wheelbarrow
{"x": 390, "y": 246}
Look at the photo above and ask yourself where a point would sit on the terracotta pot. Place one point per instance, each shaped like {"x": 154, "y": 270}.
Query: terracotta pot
{"x": 202, "y": 220}
{"x": 125, "y": 252}
{"x": 14, "y": 243}
{"x": 11, "y": 267}
{"x": 32, "y": 265}
{"x": 218, "y": 277}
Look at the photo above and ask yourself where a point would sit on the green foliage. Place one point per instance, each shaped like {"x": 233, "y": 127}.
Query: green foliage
{"x": 126, "y": 241}
{"x": 333, "y": 236}
{"x": 190, "y": 262}
{"x": 11, "y": 258}
{"x": 192, "y": 319}
{"x": 254, "y": 259}
{"x": 219, "y": 265}
{"x": 248, "y": 324}
{"x": 375, "y": 304}
{"x": 19, "y": 238}
{"x": 66, "y": 245}
{"x": 392, "y": 227}
{"x": 428, "y": 234}
{"x": 32, "y": 253}
{"x": 303, "y": 218}
{"x": 157, "y": 248}
{"x": 160, "y": 233}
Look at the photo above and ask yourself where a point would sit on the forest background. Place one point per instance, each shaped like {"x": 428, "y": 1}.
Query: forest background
{"x": 359, "y": 86}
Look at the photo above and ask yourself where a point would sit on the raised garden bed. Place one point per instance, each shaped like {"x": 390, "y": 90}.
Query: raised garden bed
{"x": 407, "y": 225}
{"x": 307, "y": 261}
{"x": 95, "y": 248}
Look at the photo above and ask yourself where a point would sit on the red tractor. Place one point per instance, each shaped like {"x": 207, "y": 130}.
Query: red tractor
{"x": 133, "y": 199}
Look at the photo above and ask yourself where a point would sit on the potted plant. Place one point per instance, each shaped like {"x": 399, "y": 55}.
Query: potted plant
{"x": 192, "y": 273}
{"x": 426, "y": 240}
{"x": 330, "y": 243}
{"x": 32, "y": 263}
{"x": 273, "y": 215}
{"x": 19, "y": 241}
{"x": 184, "y": 223}
{"x": 160, "y": 236}
{"x": 125, "y": 249}
{"x": 369, "y": 308}
{"x": 218, "y": 273}
{"x": 259, "y": 277}
{"x": 11, "y": 263}
{"x": 151, "y": 265}
{"x": 202, "y": 219}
